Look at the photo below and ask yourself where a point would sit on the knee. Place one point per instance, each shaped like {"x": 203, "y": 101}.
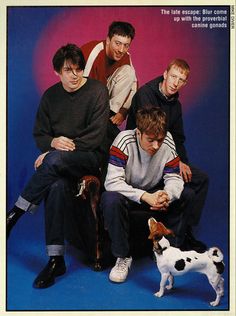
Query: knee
{"x": 199, "y": 176}
{"x": 110, "y": 199}
{"x": 187, "y": 194}
{"x": 53, "y": 159}
{"x": 111, "y": 203}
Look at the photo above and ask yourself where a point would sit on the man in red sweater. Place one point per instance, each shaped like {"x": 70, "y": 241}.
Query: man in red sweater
{"x": 109, "y": 62}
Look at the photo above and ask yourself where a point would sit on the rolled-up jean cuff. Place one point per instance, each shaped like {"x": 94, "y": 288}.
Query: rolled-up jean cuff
{"x": 26, "y": 205}
{"x": 55, "y": 250}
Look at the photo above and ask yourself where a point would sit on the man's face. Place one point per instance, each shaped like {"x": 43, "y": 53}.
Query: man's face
{"x": 150, "y": 142}
{"x": 117, "y": 46}
{"x": 71, "y": 76}
{"x": 174, "y": 80}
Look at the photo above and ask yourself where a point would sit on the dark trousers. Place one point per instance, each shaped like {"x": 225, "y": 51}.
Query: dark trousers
{"x": 52, "y": 182}
{"x": 199, "y": 186}
{"x": 117, "y": 208}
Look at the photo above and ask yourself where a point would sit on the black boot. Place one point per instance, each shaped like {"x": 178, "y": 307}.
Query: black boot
{"x": 55, "y": 267}
{"x": 12, "y": 218}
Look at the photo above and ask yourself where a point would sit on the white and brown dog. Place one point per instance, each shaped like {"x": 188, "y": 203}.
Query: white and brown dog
{"x": 172, "y": 261}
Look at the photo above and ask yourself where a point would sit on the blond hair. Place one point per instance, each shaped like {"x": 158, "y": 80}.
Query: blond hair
{"x": 181, "y": 64}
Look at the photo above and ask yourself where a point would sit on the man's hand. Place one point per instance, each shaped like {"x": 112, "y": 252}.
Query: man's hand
{"x": 117, "y": 119}
{"x": 63, "y": 143}
{"x": 159, "y": 200}
{"x": 185, "y": 172}
{"x": 39, "y": 160}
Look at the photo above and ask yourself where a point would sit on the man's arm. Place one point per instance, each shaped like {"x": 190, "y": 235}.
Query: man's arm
{"x": 116, "y": 178}
{"x": 173, "y": 182}
{"x": 177, "y": 131}
{"x": 42, "y": 132}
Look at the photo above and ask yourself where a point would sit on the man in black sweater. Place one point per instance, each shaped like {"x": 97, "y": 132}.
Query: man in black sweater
{"x": 70, "y": 129}
{"x": 163, "y": 92}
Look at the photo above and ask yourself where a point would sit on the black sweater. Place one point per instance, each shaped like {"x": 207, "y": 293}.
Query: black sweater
{"x": 150, "y": 94}
{"x": 81, "y": 115}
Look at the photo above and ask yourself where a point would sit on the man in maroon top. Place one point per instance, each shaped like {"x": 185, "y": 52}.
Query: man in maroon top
{"x": 109, "y": 62}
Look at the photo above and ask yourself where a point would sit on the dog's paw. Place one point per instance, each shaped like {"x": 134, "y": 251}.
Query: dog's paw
{"x": 214, "y": 303}
{"x": 159, "y": 294}
{"x": 169, "y": 286}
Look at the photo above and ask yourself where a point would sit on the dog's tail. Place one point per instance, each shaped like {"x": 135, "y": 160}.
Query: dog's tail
{"x": 215, "y": 254}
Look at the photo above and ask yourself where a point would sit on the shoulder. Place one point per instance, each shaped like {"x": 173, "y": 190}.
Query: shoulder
{"x": 53, "y": 91}
{"x": 124, "y": 139}
{"x": 149, "y": 87}
{"x": 96, "y": 85}
{"x": 168, "y": 141}
{"x": 90, "y": 46}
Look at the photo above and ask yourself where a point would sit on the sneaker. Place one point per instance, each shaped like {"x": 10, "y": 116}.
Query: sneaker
{"x": 120, "y": 271}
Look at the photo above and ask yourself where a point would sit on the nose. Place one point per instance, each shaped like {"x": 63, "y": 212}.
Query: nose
{"x": 176, "y": 82}
{"x": 121, "y": 48}
{"x": 74, "y": 73}
{"x": 155, "y": 144}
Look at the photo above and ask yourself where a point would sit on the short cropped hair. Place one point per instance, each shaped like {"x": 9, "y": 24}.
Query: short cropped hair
{"x": 69, "y": 52}
{"x": 122, "y": 29}
{"x": 151, "y": 120}
{"x": 181, "y": 64}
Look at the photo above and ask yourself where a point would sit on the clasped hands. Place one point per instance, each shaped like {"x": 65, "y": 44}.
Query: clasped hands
{"x": 158, "y": 201}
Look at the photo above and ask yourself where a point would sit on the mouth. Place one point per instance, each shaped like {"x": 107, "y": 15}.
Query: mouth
{"x": 152, "y": 152}
{"x": 157, "y": 249}
{"x": 118, "y": 56}
{"x": 173, "y": 90}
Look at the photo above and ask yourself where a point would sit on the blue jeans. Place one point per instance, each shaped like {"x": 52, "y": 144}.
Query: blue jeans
{"x": 52, "y": 183}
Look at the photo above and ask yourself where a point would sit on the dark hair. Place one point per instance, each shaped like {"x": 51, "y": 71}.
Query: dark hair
{"x": 151, "y": 120}
{"x": 122, "y": 29}
{"x": 69, "y": 52}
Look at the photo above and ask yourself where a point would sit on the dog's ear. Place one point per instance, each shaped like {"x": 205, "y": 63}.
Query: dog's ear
{"x": 151, "y": 236}
{"x": 152, "y": 223}
{"x": 165, "y": 231}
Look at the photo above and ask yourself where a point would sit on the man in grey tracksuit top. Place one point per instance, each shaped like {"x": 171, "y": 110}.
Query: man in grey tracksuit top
{"x": 143, "y": 169}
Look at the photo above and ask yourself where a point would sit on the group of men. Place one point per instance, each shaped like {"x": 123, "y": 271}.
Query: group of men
{"x": 78, "y": 121}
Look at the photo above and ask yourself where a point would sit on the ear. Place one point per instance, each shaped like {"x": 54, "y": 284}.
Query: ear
{"x": 151, "y": 220}
{"x": 165, "y": 74}
{"x": 108, "y": 40}
{"x": 165, "y": 231}
{"x": 138, "y": 132}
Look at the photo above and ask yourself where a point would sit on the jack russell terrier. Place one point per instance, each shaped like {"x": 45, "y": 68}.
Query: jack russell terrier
{"x": 172, "y": 261}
